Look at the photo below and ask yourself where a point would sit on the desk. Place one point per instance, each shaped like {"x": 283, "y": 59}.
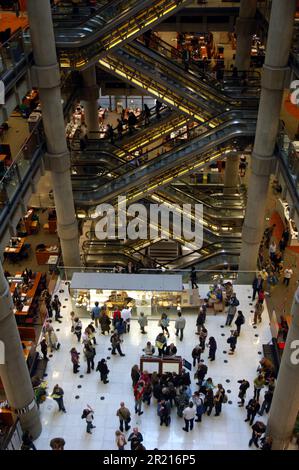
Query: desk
{"x": 30, "y": 294}
{"x": 17, "y": 248}
{"x": 27, "y": 348}
{"x": 42, "y": 255}
{"x": 161, "y": 365}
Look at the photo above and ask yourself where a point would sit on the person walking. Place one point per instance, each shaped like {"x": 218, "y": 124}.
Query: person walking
{"x": 138, "y": 395}
{"x": 240, "y": 320}
{"x": 124, "y": 416}
{"x": 44, "y": 349}
{"x": 120, "y": 440}
{"x": 288, "y": 273}
{"x": 193, "y": 279}
{"x": 196, "y": 354}
{"x": 90, "y": 353}
{"x": 27, "y": 441}
{"x": 232, "y": 341}
{"x": 164, "y": 323}
{"x": 95, "y": 314}
{"x": 78, "y": 328}
{"x": 258, "y": 430}
{"x": 57, "y": 395}
{"x": 201, "y": 317}
{"x": 257, "y": 285}
{"x": 142, "y": 320}
{"x": 88, "y": 414}
{"x": 161, "y": 343}
{"x": 75, "y": 355}
{"x": 135, "y": 438}
{"x": 180, "y": 324}
{"x": 116, "y": 316}
{"x": 232, "y": 309}
{"x": 244, "y": 385}
{"x": 147, "y": 114}
{"x": 119, "y": 128}
{"x": 126, "y": 316}
{"x": 200, "y": 374}
{"x": 212, "y": 348}
{"x": 202, "y": 338}
{"x": 252, "y": 408}
{"x": 103, "y": 369}
{"x": 189, "y": 414}
{"x": 259, "y": 383}
{"x": 181, "y": 400}
{"x": 116, "y": 341}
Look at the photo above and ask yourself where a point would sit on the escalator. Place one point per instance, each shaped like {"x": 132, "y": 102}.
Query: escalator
{"x": 204, "y": 146}
{"x": 112, "y": 25}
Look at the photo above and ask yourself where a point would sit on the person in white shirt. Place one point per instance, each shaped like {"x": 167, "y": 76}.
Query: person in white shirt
{"x": 288, "y": 273}
{"x": 89, "y": 420}
{"x": 126, "y": 316}
{"x": 189, "y": 414}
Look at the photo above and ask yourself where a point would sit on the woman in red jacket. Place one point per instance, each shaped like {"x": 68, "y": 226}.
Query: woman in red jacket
{"x": 138, "y": 394}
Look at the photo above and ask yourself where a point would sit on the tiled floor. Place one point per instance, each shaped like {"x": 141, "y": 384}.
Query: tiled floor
{"x": 229, "y": 431}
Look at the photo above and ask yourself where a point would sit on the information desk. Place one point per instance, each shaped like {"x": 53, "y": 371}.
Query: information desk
{"x": 17, "y": 248}
{"x": 30, "y": 294}
{"x": 161, "y": 365}
{"x": 43, "y": 254}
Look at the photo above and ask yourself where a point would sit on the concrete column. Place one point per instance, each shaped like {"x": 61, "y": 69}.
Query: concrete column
{"x": 262, "y": 161}
{"x": 46, "y": 76}
{"x": 231, "y": 175}
{"x": 285, "y": 404}
{"x": 245, "y": 28}
{"x": 90, "y": 95}
{"x": 13, "y": 369}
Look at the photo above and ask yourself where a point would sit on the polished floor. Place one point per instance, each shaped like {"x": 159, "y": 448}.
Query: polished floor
{"x": 229, "y": 431}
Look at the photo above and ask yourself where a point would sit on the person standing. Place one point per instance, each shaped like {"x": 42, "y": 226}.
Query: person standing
{"x": 90, "y": 353}
{"x": 200, "y": 374}
{"x": 189, "y": 414}
{"x": 218, "y": 399}
{"x": 115, "y": 342}
{"x": 266, "y": 405}
{"x": 198, "y": 399}
{"x": 120, "y": 440}
{"x": 138, "y": 394}
{"x": 78, "y": 328}
{"x": 95, "y": 314}
{"x": 259, "y": 383}
{"x": 232, "y": 341}
{"x": 116, "y": 316}
{"x": 258, "y": 430}
{"x": 164, "y": 323}
{"x": 244, "y": 385}
{"x": 135, "y": 438}
{"x": 232, "y": 309}
{"x": 240, "y": 320}
{"x": 196, "y": 355}
{"x": 75, "y": 355}
{"x": 202, "y": 338}
{"x": 193, "y": 279}
{"x": 272, "y": 250}
{"x": 126, "y": 316}
{"x": 104, "y": 371}
{"x": 44, "y": 349}
{"x": 57, "y": 443}
{"x": 124, "y": 416}
{"x": 252, "y": 409}
{"x": 288, "y": 273}
{"x": 135, "y": 375}
{"x": 104, "y": 321}
{"x": 119, "y": 128}
{"x": 142, "y": 320}
{"x": 257, "y": 285}
{"x": 180, "y": 324}
{"x": 57, "y": 395}
{"x": 161, "y": 343}
{"x": 258, "y": 310}
{"x": 212, "y": 348}
{"x": 147, "y": 114}
{"x": 56, "y": 304}
{"x": 209, "y": 401}
{"x": 164, "y": 411}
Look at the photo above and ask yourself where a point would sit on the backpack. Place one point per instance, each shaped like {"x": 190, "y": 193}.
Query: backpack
{"x": 236, "y": 303}
{"x": 243, "y": 320}
{"x": 85, "y": 413}
{"x": 225, "y": 398}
